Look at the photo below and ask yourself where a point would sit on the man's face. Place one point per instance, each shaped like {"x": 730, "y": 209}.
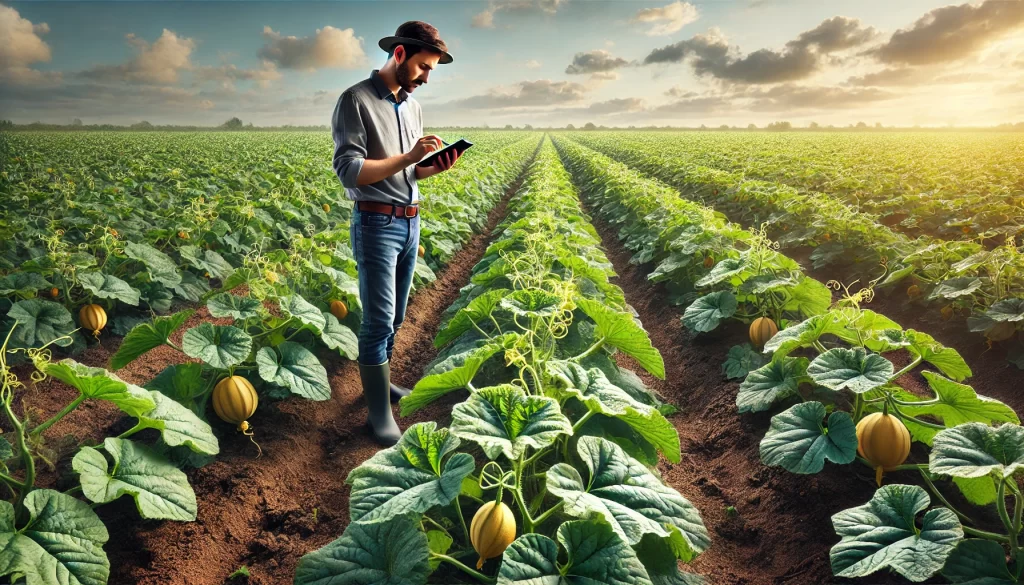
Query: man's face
{"x": 413, "y": 72}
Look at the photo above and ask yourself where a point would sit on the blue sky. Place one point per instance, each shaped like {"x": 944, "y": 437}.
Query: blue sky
{"x": 521, "y": 61}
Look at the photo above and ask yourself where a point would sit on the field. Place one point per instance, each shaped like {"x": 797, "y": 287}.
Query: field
{"x": 733, "y": 358}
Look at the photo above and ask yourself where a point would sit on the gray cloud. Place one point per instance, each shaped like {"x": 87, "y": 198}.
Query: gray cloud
{"x": 917, "y": 76}
{"x": 709, "y": 54}
{"x": 594, "y": 62}
{"x": 227, "y": 74}
{"x": 951, "y": 33}
{"x": 617, "y": 106}
{"x": 329, "y": 48}
{"x": 789, "y": 97}
{"x": 529, "y": 94}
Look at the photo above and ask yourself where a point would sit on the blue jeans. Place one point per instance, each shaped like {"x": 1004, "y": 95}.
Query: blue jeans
{"x": 385, "y": 249}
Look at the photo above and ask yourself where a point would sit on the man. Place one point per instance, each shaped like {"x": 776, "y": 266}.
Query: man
{"x": 378, "y": 139}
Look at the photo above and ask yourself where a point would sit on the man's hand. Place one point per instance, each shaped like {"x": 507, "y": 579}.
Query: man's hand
{"x": 423, "y": 147}
{"x": 444, "y": 162}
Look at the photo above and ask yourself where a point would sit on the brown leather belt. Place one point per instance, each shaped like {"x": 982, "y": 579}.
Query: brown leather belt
{"x": 387, "y": 208}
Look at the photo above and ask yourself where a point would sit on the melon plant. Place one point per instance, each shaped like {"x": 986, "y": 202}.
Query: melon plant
{"x": 547, "y": 467}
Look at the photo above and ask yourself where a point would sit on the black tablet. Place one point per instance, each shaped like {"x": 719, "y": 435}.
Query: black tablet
{"x": 458, "y": 146}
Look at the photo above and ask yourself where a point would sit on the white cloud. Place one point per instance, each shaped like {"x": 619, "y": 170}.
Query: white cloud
{"x": 533, "y": 64}
{"x": 484, "y": 19}
{"x": 20, "y": 47}
{"x": 159, "y": 63}
{"x": 667, "y": 19}
{"x": 226, "y": 75}
{"x": 329, "y": 48}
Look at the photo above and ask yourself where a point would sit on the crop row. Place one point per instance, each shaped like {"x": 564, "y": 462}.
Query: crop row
{"x": 985, "y": 285}
{"x": 563, "y": 434}
{"x": 264, "y": 352}
{"x": 830, "y": 370}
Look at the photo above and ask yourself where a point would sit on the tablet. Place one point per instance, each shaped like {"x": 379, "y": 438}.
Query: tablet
{"x": 460, "y": 146}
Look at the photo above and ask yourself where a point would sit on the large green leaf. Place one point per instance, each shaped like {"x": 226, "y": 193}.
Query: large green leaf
{"x": 800, "y": 443}
{"x": 339, "y": 337}
{"x": 23, "y": 283}
{"x": 980, "y": 562}
{"x": 206, "y": 260}
{"x": 595, "y": 553}
{"x": 883, "y": 534}
{"x": 531, "y": 303}
{"x": 774, "y": 381}
{"x": 379, "y": 553}
{"x": 226, "y": 304}
{"x": 855, "y": 369}
{"x": 809, "y": 297}
{"x": 186, "y": 384}
{"x": 39, "y": 323}
{"x": 741, "y": 360}
{"x": 146, "y": 336}
{"x": 959, "y": 403}
{"x": 1006, "y": 310}
{"x": 404, "y": 478}
{"x": 178, "y": 425}
{"x": 505, "y": 420}
{"x": 62, "y": 544}
{"x": 304, "y": 311}
{"x": 100, "y": 384}
{"x": 293, "y": 366}
{"x": 707, "y": 312}
{"x": 975, "y": 449}
{"x": 160, "y": 265}
{"x": 221, "y": 346}
{"x": 802, "y": 334}
{"x": 161, "y": 491}
{"x": 661, "y": 564}
{"x": 477, "y": 310}
{"x": 628, "y": 496}
{"x": 455, "y": 373}
{"x": 107, "y": 286}
{"x": 946, "y": 359}
{"x": 594, "y": 389}
{"x": 619, "y": 329}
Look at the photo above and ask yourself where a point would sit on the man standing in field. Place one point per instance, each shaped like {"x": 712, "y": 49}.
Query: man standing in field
{"x": 378, "y": 139}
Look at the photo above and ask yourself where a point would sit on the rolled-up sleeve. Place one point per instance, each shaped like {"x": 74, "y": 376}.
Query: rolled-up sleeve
{"x": 349, "y": 140}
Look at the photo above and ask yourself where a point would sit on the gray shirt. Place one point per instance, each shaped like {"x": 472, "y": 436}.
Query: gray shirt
{"x": 369, "y": 122}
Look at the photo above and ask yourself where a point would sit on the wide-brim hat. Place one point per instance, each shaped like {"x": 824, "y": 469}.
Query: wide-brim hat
{"x": 388, "y": 42}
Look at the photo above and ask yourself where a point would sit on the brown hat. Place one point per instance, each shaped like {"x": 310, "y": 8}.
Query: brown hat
{"x": 428, "y": 39}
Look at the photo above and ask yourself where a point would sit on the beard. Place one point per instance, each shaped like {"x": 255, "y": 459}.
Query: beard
{"x": 405, "y": 79}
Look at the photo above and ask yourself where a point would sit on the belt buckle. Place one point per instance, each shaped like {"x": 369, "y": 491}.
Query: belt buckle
{"x": 410, "y": 211}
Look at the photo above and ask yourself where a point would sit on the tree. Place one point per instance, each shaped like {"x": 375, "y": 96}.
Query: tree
{"x": 861, "y": 125}
{"x": 723, "y": 127}
{"x": 6, "y": 124}
{"x": 751, "y": 126}
{"x": 527, "y": 127}
{"x": 232, "y": 124}
{"x": 813, "y": 126}
{"x": 76, "y": 122}
{"x": 780, "y": 126}
{"x": 878, "y": 124}
{"x": 570, "y": 127}
{"x": 143, "y": 125}
{"x": 589, "y": 126}
{"x": 508, "y": 127}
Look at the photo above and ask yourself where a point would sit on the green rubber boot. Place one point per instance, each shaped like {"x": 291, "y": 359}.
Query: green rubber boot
{"x": 376, "y": 389}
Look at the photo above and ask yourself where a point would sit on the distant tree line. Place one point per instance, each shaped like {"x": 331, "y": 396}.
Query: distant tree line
{"x": 237, "y": 125}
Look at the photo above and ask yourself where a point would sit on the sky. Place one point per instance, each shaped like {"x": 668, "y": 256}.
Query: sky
{"x": 540, "y": 62}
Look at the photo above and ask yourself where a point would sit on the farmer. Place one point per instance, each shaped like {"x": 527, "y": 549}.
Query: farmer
{"x": 378, "y": 138}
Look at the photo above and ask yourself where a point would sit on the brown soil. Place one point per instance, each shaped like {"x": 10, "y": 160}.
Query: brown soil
{"x": 265, "y": 512}
{"x": 781, "y": 532}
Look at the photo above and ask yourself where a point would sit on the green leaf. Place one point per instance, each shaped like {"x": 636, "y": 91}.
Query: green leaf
{"x": 339, "y": 337}
{"x": 477, "y": 310}
{"x": 798, "y": 442}
{"x": 206, "y": 260}
{"x": 380, "y": 553}
{"x": 146, "y": 336}
{"x": 974, "y": 450}
{"x": 179, "y": 426}
{"x": 959, "y": 403}
{"x": 392, "y": 483}
{"x": 184, "y": 383}
{"x": 531, "y": 303}
{"x": 628, "y": 496}
{"x": 455, "y": 373}
{"x": 978, "y": 562}
{"x": 724, "y": 271}
{"x": 882, "y": 535}
{"x": 106, "y": 286}
{"x": 505, "y": 420}
{"x": 226, "y": 304}
{"x": 592, "y": 388}
{"x": 956, "y": 287}
{"x": 304, "y": 311}
{"x": 946, "y": 359}
{"x": 741, "y": 360}
{"x": 439, "y": 543}
{"x": 659, "y": 559}
{"x": 161, "y": 267}
{"x": 595, "y": 553}
{"x": 426, "y": 446}
{"x": 619, "y": 329}
{"x": 855, "y": 369}
{"x": 161, "y": 491}
{"x": 803, "y": 334}
{"x": 1007, "y": 310}
{"x": 39, "y": 323}
{"x": 809, "y": 297}
{"x": 23, "y": 283}
{"x": 774, "y": 381}
{"x": 99, "y": 384}
{"x": 296, "y": 368}
{"x": 221, "y": 346}
{"x": 707, "y": 312}
{"x": 980, "y": 491}
{"x": 62, "y": 543}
